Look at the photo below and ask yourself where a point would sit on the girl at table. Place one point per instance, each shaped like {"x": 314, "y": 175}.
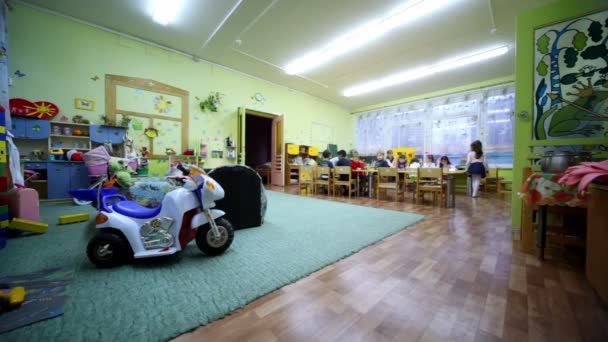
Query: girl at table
{"x": 401, "y": 162}
{"x": 477, "y": 166}
{"x": 390, "y": 158}
{"x": 429, "y": 161}
{"x": 415, "y": 164}
{"x": 444, "y": 162}
{"x": 356, "y": 164}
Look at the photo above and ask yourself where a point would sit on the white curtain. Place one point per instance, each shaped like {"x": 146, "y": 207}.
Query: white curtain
{"x": 443, "y": 125}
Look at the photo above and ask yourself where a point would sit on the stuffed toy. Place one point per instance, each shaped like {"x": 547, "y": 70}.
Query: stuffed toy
{"x": 120, "y": 169}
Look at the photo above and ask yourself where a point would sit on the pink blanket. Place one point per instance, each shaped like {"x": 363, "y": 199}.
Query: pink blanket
{"x": 584, "y": 174}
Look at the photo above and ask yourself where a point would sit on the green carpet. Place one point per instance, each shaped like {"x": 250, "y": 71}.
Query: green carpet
{"x": 159, "y": 299}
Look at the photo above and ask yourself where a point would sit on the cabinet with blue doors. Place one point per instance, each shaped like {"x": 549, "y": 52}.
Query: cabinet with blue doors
{"x": 66, "y": 176}
{"x": 23, "y": 128}
{"x": 107, "y": 134}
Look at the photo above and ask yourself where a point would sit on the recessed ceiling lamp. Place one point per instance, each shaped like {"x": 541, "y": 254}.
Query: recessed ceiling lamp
{"x": 164, "y": 11}
{"x": 413, "y": 74}
{"x": 363, "y": 34}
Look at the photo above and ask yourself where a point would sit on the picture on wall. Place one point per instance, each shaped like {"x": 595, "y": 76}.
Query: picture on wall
{"x": 84, "y": 104}
{"x": 571, "y": 79}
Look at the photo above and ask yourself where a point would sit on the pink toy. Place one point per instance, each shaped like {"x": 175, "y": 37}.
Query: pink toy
{"x": 23, "y": 204}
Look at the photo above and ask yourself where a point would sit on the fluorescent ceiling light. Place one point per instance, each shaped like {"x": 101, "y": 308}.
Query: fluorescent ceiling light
{"x": 363, "y": 34}
{"x": 413, "y": 74}
{"x": 164, "y": 11}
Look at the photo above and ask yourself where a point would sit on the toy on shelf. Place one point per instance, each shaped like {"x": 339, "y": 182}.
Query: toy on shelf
{"x": 56, "y": 154}
{"x": 74, "y": 155}
{"x": 128, "y": 230}
{"x": 28, "y": 226}
{"x": 188, "y": 152}
{"x": 65, "y": 219}
{"x": 170, "y": 151}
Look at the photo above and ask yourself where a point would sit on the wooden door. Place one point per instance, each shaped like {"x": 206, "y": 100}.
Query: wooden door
{"x": 240, "y": 135}
{"x": 277, "y": 151}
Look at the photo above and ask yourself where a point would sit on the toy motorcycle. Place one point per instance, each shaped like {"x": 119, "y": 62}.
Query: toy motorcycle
{"x": 128, "y": 230}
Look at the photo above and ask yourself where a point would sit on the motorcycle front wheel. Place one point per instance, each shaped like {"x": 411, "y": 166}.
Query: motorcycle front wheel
{"x": 209, "y": 244}
{"x": 108, "y": 250}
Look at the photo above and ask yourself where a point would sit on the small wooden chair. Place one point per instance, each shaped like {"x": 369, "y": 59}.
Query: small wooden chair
{"x": 410, "y": 180}
{"x": 491, "y": 180}
{"x": 343, "y": 177}
{"x": 306, "y": 179}
{"x": 433, "y": 183}
{"x": 388, "y": 178}
{"x": 322, "y": 177}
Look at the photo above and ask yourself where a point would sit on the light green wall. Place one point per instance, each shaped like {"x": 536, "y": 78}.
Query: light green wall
{"x": 60, "y": 56}
{"x": 527, "y": 22}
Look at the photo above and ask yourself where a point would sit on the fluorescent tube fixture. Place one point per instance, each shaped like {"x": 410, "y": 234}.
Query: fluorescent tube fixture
{"x": 414, "y": 74}
{"x": 363, "y": 34}
{"x": 164, "y": 11}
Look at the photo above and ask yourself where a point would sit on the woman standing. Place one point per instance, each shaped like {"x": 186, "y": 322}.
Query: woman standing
{"x": 477, "y": 166}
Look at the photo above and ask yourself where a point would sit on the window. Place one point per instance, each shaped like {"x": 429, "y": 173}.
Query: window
{"x": 444, "y": 125}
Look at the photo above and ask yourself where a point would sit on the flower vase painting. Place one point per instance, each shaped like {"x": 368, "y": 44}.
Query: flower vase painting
{"x": 571, "y": 79}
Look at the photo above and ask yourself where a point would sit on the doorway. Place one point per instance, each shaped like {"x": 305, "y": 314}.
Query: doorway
{"x": 260, "y": 143}
{"x": 258, "y": 140}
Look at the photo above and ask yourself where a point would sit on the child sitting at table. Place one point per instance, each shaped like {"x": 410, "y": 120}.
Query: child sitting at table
{"x": 357, "y": 164}
{"x": 380, "y": 161}
{"x": 415, "y": 164}
{"x": 444, "y": 162}
{"x": 401, "y": 162}
{"x": 390, "y": 158}
{"x": 429, "y": 161}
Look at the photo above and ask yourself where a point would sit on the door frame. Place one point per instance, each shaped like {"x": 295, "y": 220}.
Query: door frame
{"x": 242, "y": 129}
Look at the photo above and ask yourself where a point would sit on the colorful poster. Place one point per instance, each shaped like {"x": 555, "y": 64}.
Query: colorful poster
{"x": 571, "y": 79}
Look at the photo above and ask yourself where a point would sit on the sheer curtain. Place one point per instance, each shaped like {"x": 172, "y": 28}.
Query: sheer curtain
{"x": 443, "y": 125}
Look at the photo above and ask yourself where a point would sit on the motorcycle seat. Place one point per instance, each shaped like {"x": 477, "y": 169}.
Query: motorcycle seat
{"x": 133, "y": 209}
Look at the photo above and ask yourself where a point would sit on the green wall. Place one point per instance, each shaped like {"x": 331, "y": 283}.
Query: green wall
{"x": 60, "y": 56}
{"x": 527, "y": 22}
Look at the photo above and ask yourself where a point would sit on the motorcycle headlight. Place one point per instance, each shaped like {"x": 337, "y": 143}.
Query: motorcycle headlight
{"x": 210, "y": 185}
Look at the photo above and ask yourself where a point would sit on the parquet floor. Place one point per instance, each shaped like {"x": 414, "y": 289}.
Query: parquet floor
{"x": 455, "y": 276}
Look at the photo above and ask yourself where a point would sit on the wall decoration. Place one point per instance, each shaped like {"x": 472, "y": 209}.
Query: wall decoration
{"x": 137, "y": 125}
{"x": 151, "y": 132}
{"x": 212, "y": 102}
{"x": 571, "y": 79}
{"x": 162, "y": 105}
{"x": 64, "y": 118}
{"x": 38, "y": 110}
{"x": 19, "y": 74}
{"x": 258, "y": 98}
{"x": 95, "y": 78}
{"x": 86, "y": 104}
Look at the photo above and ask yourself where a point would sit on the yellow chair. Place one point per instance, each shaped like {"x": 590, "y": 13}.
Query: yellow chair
{"x": 305, "y": 179}
{"x": 433, "y": 183}
{"x": 388, "y": 178}
{"x": 343, "y": 177}
{"x": 322, "y": 176}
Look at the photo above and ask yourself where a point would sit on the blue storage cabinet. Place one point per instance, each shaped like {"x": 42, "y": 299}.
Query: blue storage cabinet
{"x": 107, "y": 134}
{"x": 66, "y": 176}
{"x": 24, "y": 128}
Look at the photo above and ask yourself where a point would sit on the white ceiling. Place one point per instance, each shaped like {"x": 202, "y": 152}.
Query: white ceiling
{"x": 273, "y": 32}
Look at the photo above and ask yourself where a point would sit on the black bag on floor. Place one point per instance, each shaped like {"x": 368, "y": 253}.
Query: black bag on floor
{"x": 244, "y": 201}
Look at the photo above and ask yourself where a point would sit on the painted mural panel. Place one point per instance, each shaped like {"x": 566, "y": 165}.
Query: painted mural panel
{"x": 571, "y": 79}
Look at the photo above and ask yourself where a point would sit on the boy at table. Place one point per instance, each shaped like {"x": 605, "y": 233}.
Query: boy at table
{"x": 380, "y": 161}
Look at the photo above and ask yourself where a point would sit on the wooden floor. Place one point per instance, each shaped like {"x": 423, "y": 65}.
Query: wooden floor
{"x": 454, "y": 276}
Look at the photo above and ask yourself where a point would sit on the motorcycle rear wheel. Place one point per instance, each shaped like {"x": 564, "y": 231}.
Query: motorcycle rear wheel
{"x": 208, "y": 244}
